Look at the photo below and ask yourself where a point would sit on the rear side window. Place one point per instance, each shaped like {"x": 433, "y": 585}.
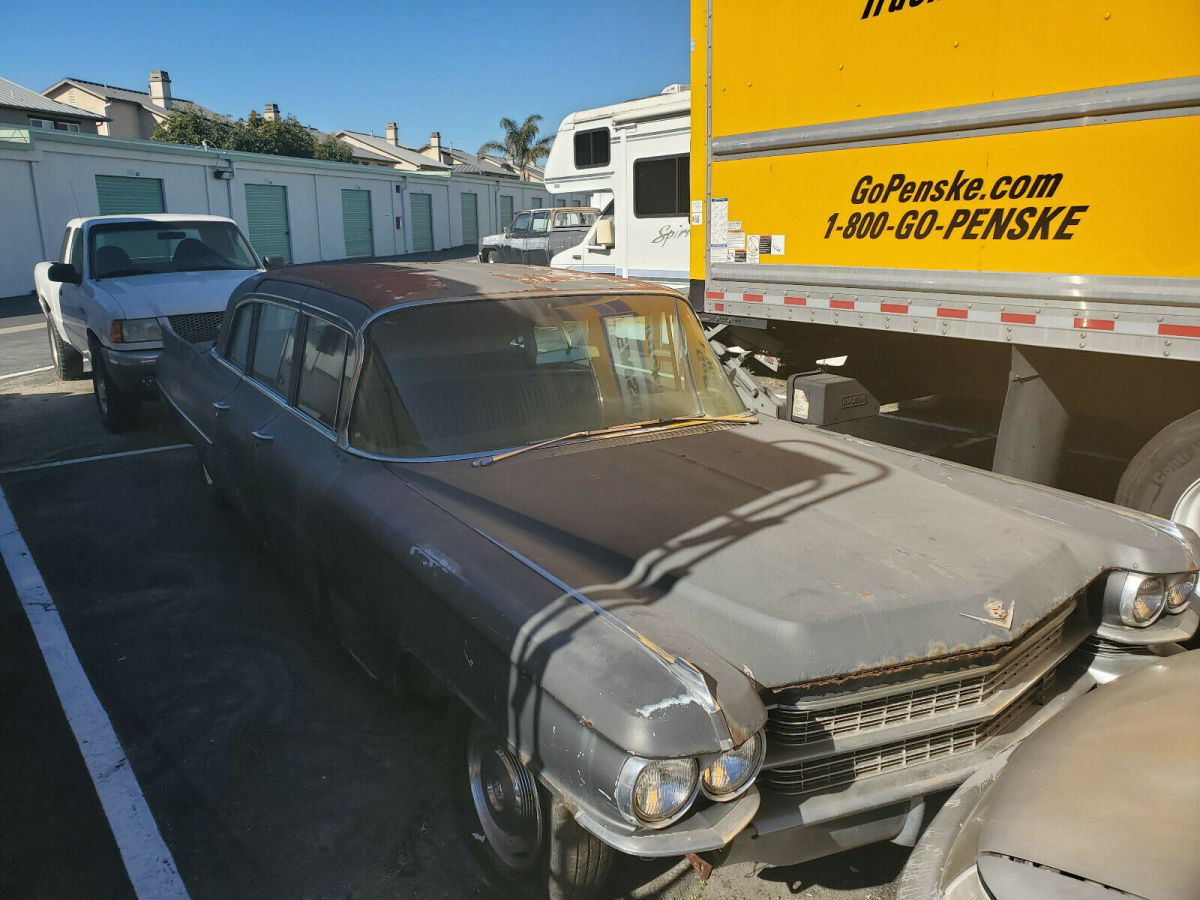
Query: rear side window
{"x": 591, "y": 148}
{"x": 660, "y": 186}
{"x": 274, "y": 346}
{"x": 322, "y": 369}
{"x": 238, "y": 348}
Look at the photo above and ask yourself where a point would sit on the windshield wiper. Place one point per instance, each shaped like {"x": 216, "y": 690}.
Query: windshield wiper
{"x": 617, "y": 430}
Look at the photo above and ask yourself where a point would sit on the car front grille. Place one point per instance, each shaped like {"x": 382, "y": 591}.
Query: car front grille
{"x": 845, "y": 768}
{"x": 820, "y": 741}
{"x": 799, "y": 723}
{"x": 196, "y": 328}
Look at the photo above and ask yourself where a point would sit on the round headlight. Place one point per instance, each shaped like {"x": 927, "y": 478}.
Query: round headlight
{"x": 733, "y": 770}
{"x": 663, "y": 789}
{"x": 1180, "y": 593}
{"x": 1142, "y": 606}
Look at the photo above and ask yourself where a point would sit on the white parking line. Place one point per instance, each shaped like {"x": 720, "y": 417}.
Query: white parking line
{"x": 149, "y": 863}
{"x": 83, "y": 459}
{"x": 15, "y": 329}
{"x": 26, "y": 372}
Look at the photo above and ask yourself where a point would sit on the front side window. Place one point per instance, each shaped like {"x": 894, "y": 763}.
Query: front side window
{"x": 459, "y": 378}
{"x": 591, "y": 148}
{"x": 149, "y": 248}
{"x": 322, "y": 370}
{"x": 521, "y": 222}
{"x": 273, "y": 347}
{"x": 660, "y": 186}
{"x": 237, "y": 350}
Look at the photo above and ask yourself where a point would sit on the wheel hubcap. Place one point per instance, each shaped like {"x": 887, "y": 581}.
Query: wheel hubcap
{"x": 506, "y": 800}
{"x": 1187, "y": 507}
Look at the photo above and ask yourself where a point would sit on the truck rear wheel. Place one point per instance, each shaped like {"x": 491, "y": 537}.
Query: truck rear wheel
{"x": 1164, "y": 477}
{"x": 68, "y": 362}
{"x": 118, "y": 408}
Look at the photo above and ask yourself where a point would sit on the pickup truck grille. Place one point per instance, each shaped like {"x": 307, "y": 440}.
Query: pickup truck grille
{"x": 819, "y": 742}
{"x": 196, "y": 328}
{"x": 801, "y": 723}
{"x": 845, "y": 768}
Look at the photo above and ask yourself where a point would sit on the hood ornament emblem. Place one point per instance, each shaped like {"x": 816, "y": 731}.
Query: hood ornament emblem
{"x": 996, "y": 614}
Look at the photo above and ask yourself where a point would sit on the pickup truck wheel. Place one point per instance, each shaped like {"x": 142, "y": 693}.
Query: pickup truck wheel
{"x": 1164, "y": 477}
{"x": 118, "y": 408}
{"x": 489, "y": 256}
{"x": 522, "y": 833}
{"x": 68, "y": 362}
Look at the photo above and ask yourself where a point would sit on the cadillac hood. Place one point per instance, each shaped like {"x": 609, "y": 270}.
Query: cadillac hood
{"x": 794, "y": 554}
{"x": 174, "y": 293}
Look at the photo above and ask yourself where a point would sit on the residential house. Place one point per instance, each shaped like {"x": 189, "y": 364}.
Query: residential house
{"x": 394, "y": 154}
{"x": 28, "y": 109}
{"x": 126, "y": 114}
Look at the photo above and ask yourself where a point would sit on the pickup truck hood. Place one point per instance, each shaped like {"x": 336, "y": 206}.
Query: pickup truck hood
{"x": 174, "y": 293}
{"x": 792, "y": 553}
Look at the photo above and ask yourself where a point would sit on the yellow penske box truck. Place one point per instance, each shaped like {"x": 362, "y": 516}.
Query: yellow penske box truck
{"x": 990, "y": 198}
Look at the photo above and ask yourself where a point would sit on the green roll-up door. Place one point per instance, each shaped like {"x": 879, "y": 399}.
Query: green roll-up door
{"x": 422, "y": 222}
{"x": 121, "y": 195}
{"x": 470, "y": 219}
{"x": 506, "y": 212}
{"x": 356, "y": 223}
{"x": 267, "y": 218}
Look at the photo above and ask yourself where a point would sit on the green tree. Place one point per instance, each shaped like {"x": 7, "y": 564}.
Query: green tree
{"x": 189, "y": 125}
{"x": 521, "y": 145}
{"x": 332, "y": 149}
{"x": 276, "y": 137}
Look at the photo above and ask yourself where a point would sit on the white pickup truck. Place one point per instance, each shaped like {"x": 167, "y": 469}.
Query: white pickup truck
{"x": 119, "y": 280}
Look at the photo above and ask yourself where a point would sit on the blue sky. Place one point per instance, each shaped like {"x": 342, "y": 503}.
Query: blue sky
{"x": 452, "y": 67}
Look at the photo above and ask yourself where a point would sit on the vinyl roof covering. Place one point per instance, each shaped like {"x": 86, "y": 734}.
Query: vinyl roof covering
{"x": 14, "y": 96}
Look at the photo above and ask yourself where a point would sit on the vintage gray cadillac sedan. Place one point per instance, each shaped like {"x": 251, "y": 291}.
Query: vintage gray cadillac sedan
{"x": 668, "y": 625}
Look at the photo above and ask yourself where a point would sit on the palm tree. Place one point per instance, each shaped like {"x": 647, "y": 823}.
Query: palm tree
{"x": 521, "y": 147}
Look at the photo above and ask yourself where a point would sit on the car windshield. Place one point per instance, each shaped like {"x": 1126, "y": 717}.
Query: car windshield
{"x": 470, "y": 377}
{"x": 122, "y": 249}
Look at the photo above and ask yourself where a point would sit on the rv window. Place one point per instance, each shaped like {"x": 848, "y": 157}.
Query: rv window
{"x": 660, "y": 186}
{"x": 591, "y": 148}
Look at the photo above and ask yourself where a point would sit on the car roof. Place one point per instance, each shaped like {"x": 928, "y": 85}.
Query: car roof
{"x": 148, "y": 217}
{"x": 376, "y": 286}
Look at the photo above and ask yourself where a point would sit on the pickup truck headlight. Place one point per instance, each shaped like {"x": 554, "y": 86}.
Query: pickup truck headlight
{"x": 656, "y": 792}
{"x": 727, "y": 776}
{"x": 134, "y": 331}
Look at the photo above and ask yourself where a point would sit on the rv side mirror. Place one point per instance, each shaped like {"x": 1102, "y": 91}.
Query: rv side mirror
{"x": 273, "y": 262}
{"x": 605, "y": 236}
{"x": 63, "y": 273}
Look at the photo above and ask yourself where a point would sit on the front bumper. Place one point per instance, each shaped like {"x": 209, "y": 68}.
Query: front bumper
{"x": 132, "y": 370}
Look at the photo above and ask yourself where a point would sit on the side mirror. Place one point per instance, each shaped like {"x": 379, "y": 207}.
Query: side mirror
{"x": 605, "y": 234}
{"x": 64, "y": 273}
{"x": 274, "y": 262}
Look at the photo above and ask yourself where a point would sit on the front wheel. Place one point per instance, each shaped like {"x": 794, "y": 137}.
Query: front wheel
{"x": 521, "y": 832}
{"x": 118, "y": 407}
{"x": 68, "y": 362}
{"x": 1164, "y": 477}
{"x": 489, "y": 256}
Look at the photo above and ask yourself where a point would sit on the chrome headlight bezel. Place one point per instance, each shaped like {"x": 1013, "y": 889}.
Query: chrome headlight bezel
{"x": 1179, "y": 592}
{"x": 636, "y": 767}
{"x": 1127, "y": 594}
{"x": 758, "y": 745}
{"x": 135, "y": 331}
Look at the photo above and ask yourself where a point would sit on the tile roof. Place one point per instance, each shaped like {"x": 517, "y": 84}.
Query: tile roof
{"x": 386, "y": 147}
{"x": 15, "y": 96}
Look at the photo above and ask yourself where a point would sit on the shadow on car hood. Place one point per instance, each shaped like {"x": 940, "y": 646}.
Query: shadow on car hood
{"x": 791, "y": 553}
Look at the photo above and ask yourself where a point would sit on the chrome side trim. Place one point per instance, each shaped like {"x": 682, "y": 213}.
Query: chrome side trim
{"x": 175, "y": 406}
{"x": 1145, "y": 97}
{"x": 1050, "y": 286}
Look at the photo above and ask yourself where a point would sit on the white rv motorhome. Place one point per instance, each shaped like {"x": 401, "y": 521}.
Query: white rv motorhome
{"x": 636, "y": 151}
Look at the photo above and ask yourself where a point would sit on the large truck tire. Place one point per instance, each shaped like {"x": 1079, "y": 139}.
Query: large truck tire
{"x": 68, "y": 362}
{"x": 1164, "y": 477}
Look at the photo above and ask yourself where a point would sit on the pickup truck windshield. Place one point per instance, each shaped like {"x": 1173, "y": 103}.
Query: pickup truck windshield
{"x": 148, "y": 248}
{"x": 459, "y": 378}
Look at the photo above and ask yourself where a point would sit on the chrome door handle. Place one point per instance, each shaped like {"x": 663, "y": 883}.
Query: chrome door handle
{"x": 220, "y": 407}
{"x": 258, "y": 435}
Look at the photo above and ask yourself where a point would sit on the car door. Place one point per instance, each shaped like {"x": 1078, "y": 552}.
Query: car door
{"x": 71, "y": 297}
{"x": 533, "y": 249}
{"x": 255, "y": 404}
{"x": 510, "y": 251}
